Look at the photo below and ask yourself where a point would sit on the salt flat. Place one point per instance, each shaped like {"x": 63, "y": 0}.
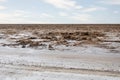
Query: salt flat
{"x": 62, "y": 55}
{"x": 18, "y": 61}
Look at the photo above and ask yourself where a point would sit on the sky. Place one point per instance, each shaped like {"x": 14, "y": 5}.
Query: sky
{"x": 60, "y": 11}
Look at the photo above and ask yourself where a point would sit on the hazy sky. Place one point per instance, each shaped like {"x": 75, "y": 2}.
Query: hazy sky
{"x": 60, "y": 11}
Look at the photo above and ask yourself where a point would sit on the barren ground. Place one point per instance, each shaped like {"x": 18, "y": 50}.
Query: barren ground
{"x": 59, "y": 52}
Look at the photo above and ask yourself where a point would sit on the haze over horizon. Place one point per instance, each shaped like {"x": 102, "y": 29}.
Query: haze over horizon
{"x": 60, "y": 11}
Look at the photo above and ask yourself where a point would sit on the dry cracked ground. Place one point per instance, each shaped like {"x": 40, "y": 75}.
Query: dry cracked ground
{"x": 59, "y": 52}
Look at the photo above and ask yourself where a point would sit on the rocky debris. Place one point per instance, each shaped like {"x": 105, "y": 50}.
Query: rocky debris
{"x": 10, "y": 45}
{"x": 32, "y": 38}
{"x": 34, "y": 44}
{"x": 77, "y": 43}
{"x": 58, "y": 38}
{"x": 10, "y": 31}
{"x": 24, "y": 41}
{"x": 50, "y": 47}
{"x": 60, "y": 42}
{"x": 28, "y": 42}
{"x": 118, "y": 41}
{"x": 72, "y": 35}
{"x": 23, "y": 46}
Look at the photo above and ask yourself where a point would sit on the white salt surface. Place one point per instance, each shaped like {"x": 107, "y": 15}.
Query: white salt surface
{"x": 24, "y": 75}
{"x": 84, "y": 57}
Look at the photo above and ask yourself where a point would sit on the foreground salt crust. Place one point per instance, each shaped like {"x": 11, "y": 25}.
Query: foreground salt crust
{"x": 23, "y": 75}
{"x": 80, "y": 57}
{"x": 84, "y": 58}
